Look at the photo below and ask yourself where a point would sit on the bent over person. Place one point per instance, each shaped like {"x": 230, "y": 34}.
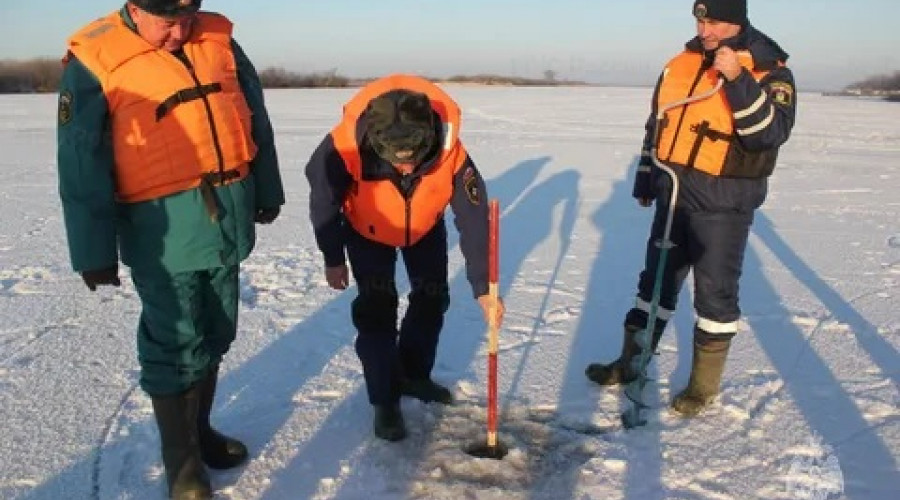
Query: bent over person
{"x": 722, "y": 150}
{"x": 380, "y": 182}
{"x": 166, "y": 160}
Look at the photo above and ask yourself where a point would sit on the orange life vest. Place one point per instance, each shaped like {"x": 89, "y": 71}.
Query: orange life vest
{"x": 375, "y": 208}
{"x": 701, "y": 134}
{"x": 169, "y": 126}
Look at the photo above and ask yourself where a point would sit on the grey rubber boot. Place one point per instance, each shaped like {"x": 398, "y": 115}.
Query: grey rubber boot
{"x": 706, "y": 376}
{"x": 176, "y": 418}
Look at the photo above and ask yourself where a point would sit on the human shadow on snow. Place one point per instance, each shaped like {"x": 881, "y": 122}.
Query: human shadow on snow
{"x": 257, "y": 408}
{"x": 321, "y": 455}
{"x": 301, "y": 353}
{"x": 868, "y": 465}
{"x": 598, "y": 337}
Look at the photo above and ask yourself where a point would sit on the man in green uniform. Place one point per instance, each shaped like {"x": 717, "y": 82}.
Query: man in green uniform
{"x": 166, "y": 161}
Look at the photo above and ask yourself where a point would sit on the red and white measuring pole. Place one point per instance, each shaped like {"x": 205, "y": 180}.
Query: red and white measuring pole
{"x": 493, "y": 327}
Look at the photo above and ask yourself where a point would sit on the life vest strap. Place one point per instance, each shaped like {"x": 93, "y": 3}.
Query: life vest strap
{"x": 222, "y": 178}
{"x": 703, "y": 131}
{"x": 212, "y": 179}
{"x": 186, "y": 95}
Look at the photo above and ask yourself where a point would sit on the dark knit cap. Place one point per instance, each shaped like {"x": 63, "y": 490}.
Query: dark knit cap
{"x": 730, "y": 11}
{"x": 168, "y": 8}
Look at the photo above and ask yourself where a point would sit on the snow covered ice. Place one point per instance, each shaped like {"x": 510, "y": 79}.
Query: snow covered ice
{"x": 810, "y": 407}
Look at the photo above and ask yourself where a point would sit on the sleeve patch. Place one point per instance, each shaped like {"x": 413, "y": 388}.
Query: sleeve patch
{"x": 65, "y": 107}
{"x": 782, "y": 93}
{"x": 470, "y": 184}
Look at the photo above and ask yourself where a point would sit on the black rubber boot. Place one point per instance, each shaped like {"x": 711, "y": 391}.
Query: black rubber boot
{"x": 706, "y": 376}
{"x": 620, "y": 370}
{"x": 426, "y": 390}
{"x": 217, "y": 450}
{"x": 176, "y": 417}
{"x": 617, "y": 372}
{"x": 388, "y": 422}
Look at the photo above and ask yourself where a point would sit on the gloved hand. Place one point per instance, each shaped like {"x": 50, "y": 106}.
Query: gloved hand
{"x": 266, "y": 215}
{"x": 643, "y": 188}
{"x": 96, "y": 277}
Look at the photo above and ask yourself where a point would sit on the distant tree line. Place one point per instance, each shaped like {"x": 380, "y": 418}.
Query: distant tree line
{"x": 33, "y": 75}
{"x": 886, "y": 86}
{"x": 279, "y": 78}
{"x": 549, "y": 79}
{"x": 44, "y": 74}
{"x": 879, "y": 83}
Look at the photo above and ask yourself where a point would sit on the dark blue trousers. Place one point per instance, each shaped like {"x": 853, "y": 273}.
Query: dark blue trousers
{"x": 387, "y": 353}
{"x": 710, "y": 243}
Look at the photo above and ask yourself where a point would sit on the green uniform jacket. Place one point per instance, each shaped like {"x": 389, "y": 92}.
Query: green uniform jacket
{"x": 173, "y": 233}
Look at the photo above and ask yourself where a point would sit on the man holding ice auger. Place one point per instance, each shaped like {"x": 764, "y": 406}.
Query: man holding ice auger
{"x": 721, "y": 149}
{"x": 380, "y": 182}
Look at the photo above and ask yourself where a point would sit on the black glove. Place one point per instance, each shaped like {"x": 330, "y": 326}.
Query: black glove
{"x": 643, "y": 187}
{"x": 108, "y": 276}
{"x": 266, "y": 215}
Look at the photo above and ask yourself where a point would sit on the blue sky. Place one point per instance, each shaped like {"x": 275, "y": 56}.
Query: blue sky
{"x": 832, "y": 43}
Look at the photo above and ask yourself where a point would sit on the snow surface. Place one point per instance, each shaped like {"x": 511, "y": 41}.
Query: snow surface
{"x": 809, "y": 407}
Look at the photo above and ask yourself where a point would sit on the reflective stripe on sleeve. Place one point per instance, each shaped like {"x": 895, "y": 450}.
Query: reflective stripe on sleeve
{"x": 759, "y": 126}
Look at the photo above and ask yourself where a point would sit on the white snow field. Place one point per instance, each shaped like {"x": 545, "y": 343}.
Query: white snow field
{"x": 810, "y": 407}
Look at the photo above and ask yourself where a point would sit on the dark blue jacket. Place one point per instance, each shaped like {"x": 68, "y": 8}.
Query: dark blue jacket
{"x": 703, "y": 192}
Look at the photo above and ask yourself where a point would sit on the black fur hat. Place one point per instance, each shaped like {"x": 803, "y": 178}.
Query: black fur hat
{"x": 730, "y": 11}
{"x": 400, "y": 120}
{"x": 168, "y": 8}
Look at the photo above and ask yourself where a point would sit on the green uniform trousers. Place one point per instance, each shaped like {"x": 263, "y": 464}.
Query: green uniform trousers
{"x": 188, "y": 322}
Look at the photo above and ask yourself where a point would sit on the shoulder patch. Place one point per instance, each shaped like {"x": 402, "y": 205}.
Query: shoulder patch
{"x": 64, "y": 113}
{"x": 782, "y": 93}
{"x": 99, "y": 30}
{"x": 470, "y": 184}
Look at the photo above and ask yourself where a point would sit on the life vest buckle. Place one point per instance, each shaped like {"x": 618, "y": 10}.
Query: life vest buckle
{"x": 221, "y": 178}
